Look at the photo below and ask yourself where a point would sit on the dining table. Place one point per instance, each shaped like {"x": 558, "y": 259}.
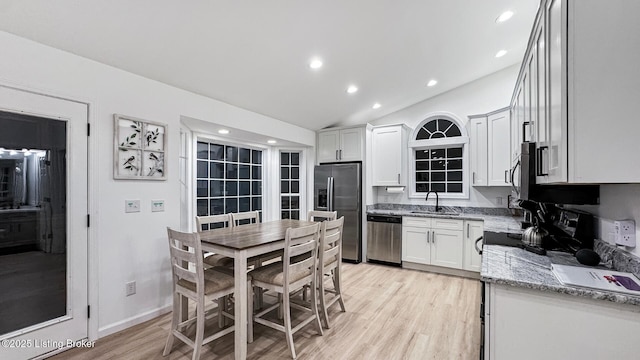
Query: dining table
{"x": 240, "y": 243}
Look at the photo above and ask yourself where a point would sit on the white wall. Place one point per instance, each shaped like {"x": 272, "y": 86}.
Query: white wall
{"x": 484, "y": 95}
{"x": 127, "y": 247}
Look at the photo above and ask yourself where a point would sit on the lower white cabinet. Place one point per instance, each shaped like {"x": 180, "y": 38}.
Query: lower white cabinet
{"x": 441, "y": 242}
{"x": 473, "y": 229}
{"x": 432, "y": 241}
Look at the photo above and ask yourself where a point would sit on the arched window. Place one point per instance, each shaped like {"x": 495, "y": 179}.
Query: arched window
{"x": 438, "y": 148}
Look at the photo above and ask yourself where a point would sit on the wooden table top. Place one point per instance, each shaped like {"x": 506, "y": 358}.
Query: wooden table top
{"x": 251, "y": 235}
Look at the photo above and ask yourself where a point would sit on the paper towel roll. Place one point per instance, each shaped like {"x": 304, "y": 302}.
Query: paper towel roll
{"x": 395, "y": 189}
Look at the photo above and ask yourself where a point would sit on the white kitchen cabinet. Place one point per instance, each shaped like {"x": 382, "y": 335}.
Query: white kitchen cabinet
{"x": 579, "y": 80}
{"x": 344, "y": 144}
{"x": 527, "y": 324}
{"x": 389, "y": 155}
{"x": 432, "y": 241}
{"x": 490, "y": 148}
{"x": 472, "y": 261}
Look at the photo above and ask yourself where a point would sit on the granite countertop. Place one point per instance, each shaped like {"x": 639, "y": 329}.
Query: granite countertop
{"x": 495, "y": 221}
{"x": 519, "y": 268}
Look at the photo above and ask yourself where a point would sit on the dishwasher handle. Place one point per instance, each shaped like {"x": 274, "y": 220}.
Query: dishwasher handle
{"x": 479, "y": 250}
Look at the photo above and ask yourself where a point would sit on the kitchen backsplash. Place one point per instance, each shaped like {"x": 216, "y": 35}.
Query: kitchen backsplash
{"x": 458, "y": 209}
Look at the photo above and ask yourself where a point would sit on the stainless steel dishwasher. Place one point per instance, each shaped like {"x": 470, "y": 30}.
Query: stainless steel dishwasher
{"x": 384, "y": 239}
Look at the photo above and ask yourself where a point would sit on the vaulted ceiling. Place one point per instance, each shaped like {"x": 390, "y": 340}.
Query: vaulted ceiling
{"x": 256, "y": 54}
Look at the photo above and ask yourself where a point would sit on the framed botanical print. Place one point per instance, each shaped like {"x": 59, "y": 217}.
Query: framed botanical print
{"x": 139, "y": 149}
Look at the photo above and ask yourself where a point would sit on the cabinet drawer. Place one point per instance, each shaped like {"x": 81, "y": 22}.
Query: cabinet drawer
{"x": 447, "y": 224}
{"x": 416, "y": 221}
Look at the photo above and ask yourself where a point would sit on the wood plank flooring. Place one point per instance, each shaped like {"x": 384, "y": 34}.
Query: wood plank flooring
{"x": 392, "y": 313}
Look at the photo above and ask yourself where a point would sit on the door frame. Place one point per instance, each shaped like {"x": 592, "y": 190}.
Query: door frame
{"x": 92, "y": 203}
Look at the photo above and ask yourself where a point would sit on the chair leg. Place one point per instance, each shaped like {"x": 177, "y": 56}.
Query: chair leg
{"x": 287, "y": 324}
{"x": 280, "y": 311}
{"x": 323, "y": 304}
{"x": 222, "y": 302}
{"x": 336, "y": 286}
{"x": 314, "y": 305}
{"x": 175, "y": 320}
{"x": 250, "y": 312}
{"x": 197, "y": 344}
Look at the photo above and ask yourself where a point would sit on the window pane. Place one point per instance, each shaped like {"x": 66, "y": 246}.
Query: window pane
{"x": 284, "y": 173}
{"x": 202, "y": 206}
{"x": 422, "y": 176}
{"x": 422, "y": 154}
{"x": 202, "y": 190}
{"x": 245, "y": 188}
{"x": 256, "y": 172}
{"x": 437, "y": 164}
{"x": 454, "y": 188}
{"x": 437, "y": 187}
{"x": 203, "y": 169}
{"x": 232, "y": 188}
{"x": 217, "y": 206}
{"x": 422, "y": 165}
{"x": 216, "y": 152}
{"x": 284, "y": 158}
{"x": 295, "y": 215}
{"x": 295, "y": 173}
{"x": 285, "y": 203}
{"x": 437, "y": 153}
{"x": 422, "y": 134}
{"x": 431, "y": 126}
{"x": 453, "y": 131}
{"x": 422, "y": 187}
{"x": 217, "y": 188}
{"x": 295, "y": 202}
{"x": 245, "y": 172}
{"x": 256, "y": 188}
{"x": 284, "y": 214}
{"x": 443, "y": 124}
{"x": 203, "y": 150}
{"x": 245, "y": 204}
{"x": 217, "y": 170}
{"x": 231, "y": 205}
{"x": 256, "y": 157}
{"x": 454, "y": 176}
{"x": 454, "y": 164}
{"x": 437, "y": 176}
{"x": 256, "y": 203}
{"x": 295, "y": 158}
{"x": 232, "y": 171}
{"x": 295, "y": 187}
{"x": 245, "y": 156}
{"x": 284, "y": 187}
{"x": 231, "y": 153}
{"x": 454, "y": 152}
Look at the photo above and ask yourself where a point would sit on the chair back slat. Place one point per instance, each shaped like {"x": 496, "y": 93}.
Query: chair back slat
{"x": 331, "y": 240}
{"x": 316, "y": 215}
{"x": 212, "y": 221}
{"x": 240, "y": 218}
{"x": 186, "y": 257}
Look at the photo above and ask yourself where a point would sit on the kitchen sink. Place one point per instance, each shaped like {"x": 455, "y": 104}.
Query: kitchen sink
{"x": 446, "y": 213}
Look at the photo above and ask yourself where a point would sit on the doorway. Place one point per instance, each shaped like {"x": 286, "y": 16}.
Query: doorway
{"x": 43, "y": 227}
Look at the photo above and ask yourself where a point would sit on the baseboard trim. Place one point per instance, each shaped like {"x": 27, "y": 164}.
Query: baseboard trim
{"x": 441, "y": 270}
{"x": 132, "y": 321}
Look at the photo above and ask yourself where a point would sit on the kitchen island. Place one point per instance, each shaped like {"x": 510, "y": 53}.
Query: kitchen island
{"x": 529, "y": 314}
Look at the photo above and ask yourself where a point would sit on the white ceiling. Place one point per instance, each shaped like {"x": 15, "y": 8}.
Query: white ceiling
{"x": 255, "y": 54}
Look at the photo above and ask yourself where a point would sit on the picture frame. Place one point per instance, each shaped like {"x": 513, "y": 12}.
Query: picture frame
{"x": 139, "y": 149}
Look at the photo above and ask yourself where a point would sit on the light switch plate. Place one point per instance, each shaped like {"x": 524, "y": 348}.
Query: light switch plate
{"x": 131, "y": 206}
{"x": 157, "y": 205}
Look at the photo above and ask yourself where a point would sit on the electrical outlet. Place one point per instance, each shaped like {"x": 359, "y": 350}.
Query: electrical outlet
{"x": 131, "y": 288}
{"x": 157, "y": 205}
{"x": 625, "y": 232}
{"x": 131, "y": 206}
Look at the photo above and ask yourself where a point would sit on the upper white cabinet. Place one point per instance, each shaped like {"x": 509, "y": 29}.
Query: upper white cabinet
{"x": 577, "y": 91}
{"x": 490, "y": 148}
{"x": 345, "y": 144}
{"x": 389, "y": 155}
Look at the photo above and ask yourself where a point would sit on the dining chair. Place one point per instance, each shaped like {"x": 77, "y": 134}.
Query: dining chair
{"x": 316, "y": 215}
{"x": 243, "y": 218}
{"x": 192, "y": 281}
{"x": 330, "y": 265}
{"x": 209, "y": 222}
{"x": 287, "y": 277}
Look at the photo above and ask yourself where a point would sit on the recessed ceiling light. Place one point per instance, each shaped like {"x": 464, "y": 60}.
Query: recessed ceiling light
{"x": 315, "y": 64}
{"x": 352, "y": 89}
{"x": 376, "y": 106}
{"x": 271, "y": 141}
{"x": 501, "y": 53}
{"x": 504, "y": 16}
{"x": 432, "y": 82}
{"x": 223, "y": 131}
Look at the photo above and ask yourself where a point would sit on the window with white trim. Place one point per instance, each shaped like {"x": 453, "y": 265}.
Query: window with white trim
{"x": 290, "y": 185}
{"x": 438, "y": 152}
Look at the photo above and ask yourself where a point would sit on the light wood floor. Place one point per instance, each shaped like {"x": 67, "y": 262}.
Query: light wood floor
{"x": 392, "y": 313}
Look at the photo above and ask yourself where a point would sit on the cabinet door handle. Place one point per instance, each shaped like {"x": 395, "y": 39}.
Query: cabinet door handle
{"x": 468, "y": 229}
{"x": 473, "y": 175}
{"x": 336, "y": 154}
{"x": 433, "y": 237}
{"x": 539, "y": 171}
{"x": 398, "y": 179}
{"x": 524, "y": 130}
{"x": 340, "y": 154}
{"x": 506, "y": 176}
{"x": 428, "y": 234}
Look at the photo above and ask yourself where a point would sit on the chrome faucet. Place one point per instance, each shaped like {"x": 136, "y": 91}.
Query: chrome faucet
{"x": 427, "y": 198}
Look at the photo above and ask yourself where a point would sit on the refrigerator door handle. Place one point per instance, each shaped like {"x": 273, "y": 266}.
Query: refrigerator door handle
{"x": 330, "y": 193}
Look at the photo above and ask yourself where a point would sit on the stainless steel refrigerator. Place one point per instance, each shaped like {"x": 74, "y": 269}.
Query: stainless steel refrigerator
{"x": 338, "y": 187}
